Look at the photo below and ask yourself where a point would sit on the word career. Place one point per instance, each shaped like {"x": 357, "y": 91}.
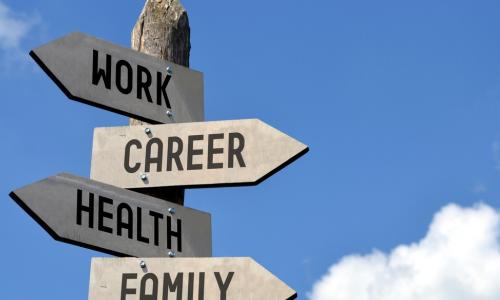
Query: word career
{"x": 162, "y": 154}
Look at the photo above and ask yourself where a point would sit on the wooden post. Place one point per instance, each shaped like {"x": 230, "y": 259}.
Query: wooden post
{"x": 162, "y": 30}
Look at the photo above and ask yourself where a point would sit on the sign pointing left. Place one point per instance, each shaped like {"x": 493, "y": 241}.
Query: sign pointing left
{"x": 101, "y": 217}
{"x": 122, "y": 80}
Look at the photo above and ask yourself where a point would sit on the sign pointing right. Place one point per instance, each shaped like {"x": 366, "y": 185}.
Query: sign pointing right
{"x": 221, "y": 153}
{"x": 196, "y": 278}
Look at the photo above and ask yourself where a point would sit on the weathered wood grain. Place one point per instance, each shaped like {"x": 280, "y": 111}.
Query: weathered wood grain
{"x": 162, "y": 30}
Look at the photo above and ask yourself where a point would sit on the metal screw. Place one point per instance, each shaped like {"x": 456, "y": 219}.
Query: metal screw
{"x": 170, "y": 71}
{"x": 147, "y": 130}
{"x": 171, "y": 253}
{"x": 142, "y": 264}
{"x": 144, "y": 176}
{"x": 171, "y": 210}
{"x": 170, "y": 113}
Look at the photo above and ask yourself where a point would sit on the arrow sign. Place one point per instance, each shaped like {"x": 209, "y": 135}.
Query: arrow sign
{"x": 113, "y": 220}
{"x": 198, "y": 278}
{"x": 242, "y": 152}
{"x": 122, "y": 80}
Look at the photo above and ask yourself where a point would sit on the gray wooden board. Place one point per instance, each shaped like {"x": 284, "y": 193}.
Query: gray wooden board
{"x": 243, "y": 152}
{"x": 69, "y": 62}
{"x": 183, "y": 278}
{"x": 57, "y": 202}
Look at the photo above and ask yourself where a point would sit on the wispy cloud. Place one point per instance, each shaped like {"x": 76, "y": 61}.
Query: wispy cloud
{"x": 458, "y": 259}
{"x": 14, "y": 28}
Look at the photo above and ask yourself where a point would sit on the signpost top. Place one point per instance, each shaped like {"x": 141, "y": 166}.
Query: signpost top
{"x": 122, "y": 80}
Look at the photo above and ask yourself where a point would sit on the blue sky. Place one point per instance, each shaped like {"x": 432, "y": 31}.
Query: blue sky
{"x": 397, "y": 101}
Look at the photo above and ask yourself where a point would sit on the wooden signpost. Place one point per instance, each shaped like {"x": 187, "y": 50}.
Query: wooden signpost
{"x": 103, "y": 215}
{"x": 223, "y": 153}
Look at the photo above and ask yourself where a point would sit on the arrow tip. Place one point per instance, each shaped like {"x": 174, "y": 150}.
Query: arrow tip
{"x": 280, "y": 288}
{"x": 24, "y": 198}
{"x": 37, "y": 58}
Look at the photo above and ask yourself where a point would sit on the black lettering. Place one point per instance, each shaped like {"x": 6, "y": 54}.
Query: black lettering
{"x": 143, "y": 84}
{"x": 119, "y": 84}
{"x": 192, "y": 152}
{"x": 176, "y": 286}
{"x": 140, "y": 237}
{"x": 232, "y": 151}
{"x": 212, "y": 151}
{"x": 223, "y": 286}
{"x": 120, "y": 224}
{"x": 156, "y": 216}
{"x": 154, "y": 288}
{"x": 126, "y": 291}
{"x": 153, "y": 160}
{"x": 171, "y": 155}
{"x": 171, "y": 233}
{"x": 190, "y": 286}
{"x": 98, "y": 73}
{"x": 201, "y": 286}
{"x": 104, "y": 215}
{"x": 161, "y": 90}
{"x": 80, "y": 208}
{"x": 126, "y": 161}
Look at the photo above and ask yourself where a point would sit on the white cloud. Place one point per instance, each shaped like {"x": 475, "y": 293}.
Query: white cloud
{"x": 458, "y": 259}
{"x": 14, "y": 28}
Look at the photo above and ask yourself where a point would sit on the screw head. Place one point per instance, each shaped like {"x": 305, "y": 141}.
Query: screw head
{"x": 171, "y": 210}
{"x": 144, "y": 176}
{"x": 170, "y": 71}
{"x": 171, "y": 253}
{"x": 147, "y": 130}
{"x": 142, "y": 264}
{"x": 170, "y": 113}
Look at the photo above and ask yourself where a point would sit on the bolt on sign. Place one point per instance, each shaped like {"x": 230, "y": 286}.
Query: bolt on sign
{"x": 240, "y": 152}
{"x": 184, "y": 278}
{"x": 98, "y": 216}
{"x": 122, "y": 80}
